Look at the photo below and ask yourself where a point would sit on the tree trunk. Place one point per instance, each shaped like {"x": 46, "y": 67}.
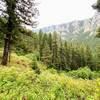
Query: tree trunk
{"x": 6, "y": 49}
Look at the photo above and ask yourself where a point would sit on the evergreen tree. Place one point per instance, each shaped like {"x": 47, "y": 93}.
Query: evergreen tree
{"x": 73, "y": 59}
{"x": 98, "y": 33}
{"x": 67, "y": 55}
{"x": 81, "y": 51}
{"x": 62, "y": 57}
{"x": 42, "y": 43}
{"x": 50, "y": 40}
{"x": 97, "y": 57}
{"x": 55, "y": 57}
{"x": 88, "y": 56}
{"x": 40, "y": 37}
{"x": 16, "y": 12}
{"x": 46, "y": 55}
{"x": 35, "y": 41}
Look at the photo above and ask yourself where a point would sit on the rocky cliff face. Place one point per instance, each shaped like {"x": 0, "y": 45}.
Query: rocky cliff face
{"x": 76, "y": 27}
{"x": 82, "y": 31}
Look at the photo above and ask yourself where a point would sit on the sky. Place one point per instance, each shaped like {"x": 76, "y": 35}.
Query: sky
{"x": 61, "y": 11}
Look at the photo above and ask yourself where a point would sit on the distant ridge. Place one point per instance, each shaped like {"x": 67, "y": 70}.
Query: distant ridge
{"x": 74, "y": 27}
{"x": 78, "y": 31}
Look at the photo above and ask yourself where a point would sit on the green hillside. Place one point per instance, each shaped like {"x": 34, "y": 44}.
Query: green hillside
{"x": 58, "y": 62}
{"x": 85, "y": 38}
{"x": 32, "y": 76}
{"x": 22, "y": 81}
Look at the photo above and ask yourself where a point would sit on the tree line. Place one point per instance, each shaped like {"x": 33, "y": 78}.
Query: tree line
{"x": 15, "y": 14}
{"x": 63, "y": 55}
{"x": 56, "y": 52}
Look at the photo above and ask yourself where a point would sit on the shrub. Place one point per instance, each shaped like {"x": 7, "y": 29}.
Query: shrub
{"x": 52, "y": 70}
{"x": 33, "y": 56}
{"x": 84, "y": 73}
{"x": 18, "y": 83}
{"x": 35, "y": 67}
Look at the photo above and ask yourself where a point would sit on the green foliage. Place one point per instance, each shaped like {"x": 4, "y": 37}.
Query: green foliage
{"x": 14, "y": 82}
{"x": 55, "y": 52}
{"x": 62, "y": 55}
{"x": 24, "y": 44}
{"x": 96, "y": 58}
{"x": 18, "y": 83}
{"x": 3, "y": 23}
{"x": 1, "y": 39}
{"x": 84, "y": 73}
{"x": 33, "y": 56}
{"x": 22, "y": 81}
{"x": 98, "y": 33}
{"x": 16, "y": 13}
{"x": 47, "y": 55}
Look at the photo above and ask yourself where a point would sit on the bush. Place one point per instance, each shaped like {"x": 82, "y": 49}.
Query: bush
{"x": 35, "y": 67}
{"x": 33, "y": 56}
{"x": 84, "y": 73}
{"x": 52, "y": 70}
{"x": 18, "y": 83}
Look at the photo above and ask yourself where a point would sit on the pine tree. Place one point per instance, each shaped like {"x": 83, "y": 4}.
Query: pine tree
{"x": 62, "y": 57}
{"x": 50, "y": 40}
{"x": 67, "y": 55}
{"x": 97, "y": 57}
{"x": 55, "y": 60}
{"x": 81, "y": 51}
{"x": 88, "y": 56}
{"x": 98, "y": 33}
{"x": 40, "y": 37}
{"x": 35, "y": 41}
{"x": 16, "y": 12}
{"x": 46, "y": 55}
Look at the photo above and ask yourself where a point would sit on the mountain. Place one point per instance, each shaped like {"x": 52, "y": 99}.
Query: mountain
{"x": 74, "y": 27}
{"x": 78, "y": 31}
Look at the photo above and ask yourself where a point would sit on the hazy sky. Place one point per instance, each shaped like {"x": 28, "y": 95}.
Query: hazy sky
{"x": 59, "y": 11}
